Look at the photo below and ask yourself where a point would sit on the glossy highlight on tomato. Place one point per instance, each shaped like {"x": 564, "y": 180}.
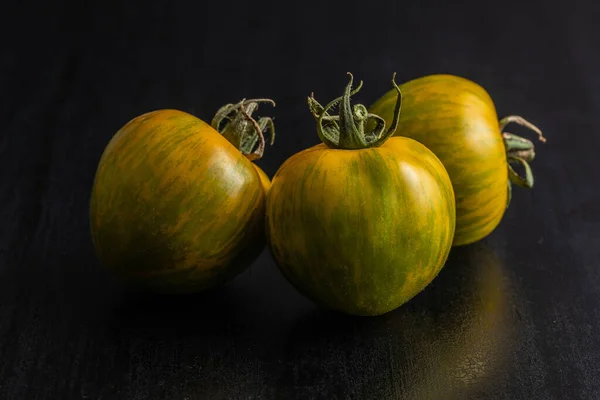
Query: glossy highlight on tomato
{"x": 360, "y": 223}
{"x": 457, "y": 120}
{"x": 175, "y": 206}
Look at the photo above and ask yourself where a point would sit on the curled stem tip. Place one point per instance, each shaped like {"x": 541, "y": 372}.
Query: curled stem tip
{"x": 347, "y": 129}
{"x": 519, "y": 151}
{"x": 523, "y": 122}
{"x": 236, "y": 124}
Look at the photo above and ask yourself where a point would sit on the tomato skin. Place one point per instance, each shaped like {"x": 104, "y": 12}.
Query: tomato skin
{"x": 174, "y": 206}
{"x": 264, "y": 179}
{"x": 457, "y": 120}
{"x": 361, "y": 231}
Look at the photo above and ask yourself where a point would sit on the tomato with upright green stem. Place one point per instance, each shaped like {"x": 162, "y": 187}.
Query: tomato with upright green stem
{"x": 176, "y": 206}
{"x": 456, "y": 119}
{"x": 362, "y": 222}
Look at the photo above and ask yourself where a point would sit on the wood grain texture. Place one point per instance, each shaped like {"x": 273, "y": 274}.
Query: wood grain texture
{"x": 514, "y": 317}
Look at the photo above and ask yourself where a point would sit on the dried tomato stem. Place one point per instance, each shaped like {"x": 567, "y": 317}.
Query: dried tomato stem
{"x": 519, "y": 151}
{"x": 525, "y": 182}
{"x": 518, "y": 146}
{"x": 523, "y": 122}
{"x": 236, "y": 124}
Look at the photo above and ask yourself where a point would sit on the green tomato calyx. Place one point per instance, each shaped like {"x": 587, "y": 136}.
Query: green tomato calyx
{"x": 519, "y": 151}
{"x": 347, "y": 129}
{"x": 235, "y": 123}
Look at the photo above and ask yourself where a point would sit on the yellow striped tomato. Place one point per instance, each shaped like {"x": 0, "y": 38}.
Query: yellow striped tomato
{"x": 177, "y": 206}
{"x": 456, "y": 119}
{"x": 360, "y": 223}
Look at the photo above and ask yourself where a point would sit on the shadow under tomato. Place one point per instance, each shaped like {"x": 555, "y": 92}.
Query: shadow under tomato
{"x": 256, "y": 302}
{"x": 449, "y": 341}
{"x": 159, "y": 316}
{"x": 208, "y": 345}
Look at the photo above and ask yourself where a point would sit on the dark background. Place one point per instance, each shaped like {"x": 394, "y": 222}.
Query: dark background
{"x": 515, "y": 316}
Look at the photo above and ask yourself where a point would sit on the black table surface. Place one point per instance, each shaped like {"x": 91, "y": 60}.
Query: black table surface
{"x": 515, "y": 316}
